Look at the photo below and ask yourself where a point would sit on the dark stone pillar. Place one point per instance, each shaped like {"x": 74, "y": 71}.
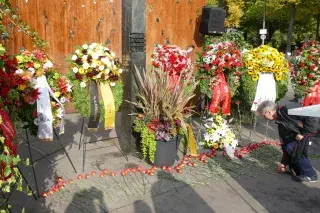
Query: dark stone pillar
{"x": 133, "y": 21}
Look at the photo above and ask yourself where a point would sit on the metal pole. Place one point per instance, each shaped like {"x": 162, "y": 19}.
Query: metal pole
{"x": 264, "y": 19}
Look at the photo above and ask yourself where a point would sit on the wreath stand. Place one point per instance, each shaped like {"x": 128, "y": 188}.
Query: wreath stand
{"x": 83, "y": 142}
{"x": 44, "y": 156}
{"x": 202, "y": 104}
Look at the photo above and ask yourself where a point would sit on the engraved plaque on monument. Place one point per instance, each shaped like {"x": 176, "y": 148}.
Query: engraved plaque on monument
{"x": 137, "y": 42}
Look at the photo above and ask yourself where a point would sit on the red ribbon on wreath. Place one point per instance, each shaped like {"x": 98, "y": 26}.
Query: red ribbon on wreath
{"x": 221, "y": 94}
{"x": 9, "y": 134}
{"x": 313, "y": 97}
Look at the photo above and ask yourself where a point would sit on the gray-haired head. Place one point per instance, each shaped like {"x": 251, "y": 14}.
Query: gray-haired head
{"x": 266, "y": 106}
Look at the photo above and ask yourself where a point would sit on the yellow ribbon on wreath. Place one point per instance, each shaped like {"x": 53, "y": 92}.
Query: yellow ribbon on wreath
{"x": 109, "y": 106}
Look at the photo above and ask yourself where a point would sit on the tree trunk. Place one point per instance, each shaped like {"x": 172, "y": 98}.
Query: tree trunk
{"x": 290, "y": 30}
{"x": 318, "y": 28}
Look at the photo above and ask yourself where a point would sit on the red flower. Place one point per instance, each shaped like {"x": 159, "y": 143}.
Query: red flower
{"x": 207, "y": 67}
{"x": 301, "y": 64}
{"x": 310, "y": 75}
{"x": 237, "y": 102}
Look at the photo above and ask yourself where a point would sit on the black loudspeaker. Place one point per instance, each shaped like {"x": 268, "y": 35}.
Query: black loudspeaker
{"x": 212, "y": 20}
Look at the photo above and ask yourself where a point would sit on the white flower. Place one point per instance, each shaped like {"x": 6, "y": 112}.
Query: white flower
{"x": 47, "y": 65}
{"x": 95, "y": 56}
{"x": 85, "y": 66}
{"x": 206, "y": 137}
{"x": 77, "y": 51}
{"x": 120, "y": 71}
{"x": 93, "y": 65}
{"x": 18, "y": 72}
{"x": 83, "y": 84}
{"x": 85, "y": 46}
{"x": 113, "y": 54}
{"x": 105, "y": 60}
{"x": 93, "y": 45}
{"x": 69, "y": 88}
{"x": 99, "y": 75}
{"x": 89, "y": 51}
{"x": 108, "y": 64}
{"x": 107, "y": 71}
{"x": 85, "y": 57}
{"x": 63, "y": 100}
{"x": 112, "y": 84}
{"x": 75, "y": 69}
{"x": 31, "y": 70}
{"x": 60, "y": 113}
{"x": 36, "y": 121}
{"x": 74, "y": 57}
{"x": 101, "y": 67}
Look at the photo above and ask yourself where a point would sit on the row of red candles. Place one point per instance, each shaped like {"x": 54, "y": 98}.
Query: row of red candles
{"x": 186, "y": 161}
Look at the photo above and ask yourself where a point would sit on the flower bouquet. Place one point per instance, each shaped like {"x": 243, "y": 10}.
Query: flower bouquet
{"x": 219, "y": 135}
{"x": 162, "y": 113}
{"x": 306, "y": 74}
{"x": 92, "y": 65}
{"x": 219, "y": 73}
{"x": 172, "y": 59}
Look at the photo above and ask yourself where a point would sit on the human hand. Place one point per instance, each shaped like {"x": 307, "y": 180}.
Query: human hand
{"x": 299, "y": 137}
{"x": 281, "y": 168}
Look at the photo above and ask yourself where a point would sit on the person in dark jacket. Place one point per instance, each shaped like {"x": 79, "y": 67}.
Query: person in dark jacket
{"x": 294, "y": 133}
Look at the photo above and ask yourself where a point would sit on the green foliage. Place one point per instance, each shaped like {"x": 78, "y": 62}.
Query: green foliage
{"x": 10, "y": 177}
{"x": 81, "y": 97}
{"x": 9, "y": 13}
{"x": 148, "y": 140}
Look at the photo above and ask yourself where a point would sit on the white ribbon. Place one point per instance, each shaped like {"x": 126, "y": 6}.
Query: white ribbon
{"x": 266, "y": 90}
{"x": 45, "y": 117}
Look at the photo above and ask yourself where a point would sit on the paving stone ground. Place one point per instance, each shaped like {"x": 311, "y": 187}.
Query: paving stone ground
{"x": 247, "y": 185}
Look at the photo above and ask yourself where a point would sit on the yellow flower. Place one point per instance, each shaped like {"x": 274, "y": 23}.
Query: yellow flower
{"x": 0, "y": 119}
{"x": 22, "y": 87}
{"x": 278, "y": 77}
{"x": 57, "y": 94}
{"x": 215, "y": 146}
{"x": 37, "y": 65}
{"x": 20, "y": 58}
{"x": 39, "y": 72}
{"x": 250, "y": 71}
{"x": 81, "y": 71}
{"x": 219, "y": 119}
{"x": 255, "y": 77}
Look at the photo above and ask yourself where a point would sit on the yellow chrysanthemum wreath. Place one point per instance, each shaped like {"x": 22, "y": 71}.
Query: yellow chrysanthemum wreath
{"x": 266, "y": 59}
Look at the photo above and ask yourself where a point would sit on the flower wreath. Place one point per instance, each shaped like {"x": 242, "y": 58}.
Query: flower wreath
{"x": 306, "y": 73}
{"x": 266, "y": 59}
{"x": 36, "y": 64}
{"x": 95, "y": 63}
{"x": 219, "y": 73}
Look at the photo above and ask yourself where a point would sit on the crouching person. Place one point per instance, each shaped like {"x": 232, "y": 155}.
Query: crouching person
{"x": 294, "y": 133}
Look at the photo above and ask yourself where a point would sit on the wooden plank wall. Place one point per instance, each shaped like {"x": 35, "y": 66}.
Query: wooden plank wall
{"x": 65, "y": 24}
{"x": 174, "y": 21}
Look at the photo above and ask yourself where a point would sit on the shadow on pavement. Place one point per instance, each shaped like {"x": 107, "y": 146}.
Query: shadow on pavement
{"x": 82, "y": 203}
{"x": 277, "y": 193}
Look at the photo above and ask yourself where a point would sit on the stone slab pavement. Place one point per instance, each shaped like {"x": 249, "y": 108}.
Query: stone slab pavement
{"x": 247, "y": 185}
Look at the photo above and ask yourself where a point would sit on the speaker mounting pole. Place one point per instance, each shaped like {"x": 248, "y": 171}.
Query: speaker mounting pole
{"x": 263, "y": 31}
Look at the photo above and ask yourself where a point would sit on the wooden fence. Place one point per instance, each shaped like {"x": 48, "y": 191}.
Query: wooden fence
{"x": 64, "y": 24}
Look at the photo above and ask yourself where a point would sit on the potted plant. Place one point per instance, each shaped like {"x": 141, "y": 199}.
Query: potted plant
{"x": 162, "y": 113}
